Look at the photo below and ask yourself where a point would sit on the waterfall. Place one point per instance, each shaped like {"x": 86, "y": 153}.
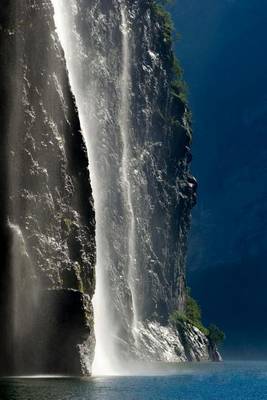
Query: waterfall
{"x": 125, "y": 129}
{"x": 107, "y": 138}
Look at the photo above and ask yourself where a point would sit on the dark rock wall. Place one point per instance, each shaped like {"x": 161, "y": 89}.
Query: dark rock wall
{"x": 47, "y": 216}
{"x": 162, "y": 154}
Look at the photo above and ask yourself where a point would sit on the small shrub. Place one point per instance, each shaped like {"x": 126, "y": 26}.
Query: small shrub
{"x": 192, "y": 309}
{"x": 177, "y": 317}
{"x": 179, "y": 87}
{"x": 192, "y": 315}
{"x": 215, "y": 335}
{"x": 166, "y": 20}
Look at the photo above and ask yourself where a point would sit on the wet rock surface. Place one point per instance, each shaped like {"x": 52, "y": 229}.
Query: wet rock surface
{"x": 162, "y": 158}
{"x": 47, "y": 219}
{"x": 168, "y": 344}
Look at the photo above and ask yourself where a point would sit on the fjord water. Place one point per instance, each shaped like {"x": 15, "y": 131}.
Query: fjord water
{"x": 228, "y": 381}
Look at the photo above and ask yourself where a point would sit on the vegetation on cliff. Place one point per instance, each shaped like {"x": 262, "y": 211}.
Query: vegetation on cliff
{"x": 193, "y": 316}
{"x": 215, "y": 335}
{"x": 192, "y": 311}
{"x": 179, "y": 87}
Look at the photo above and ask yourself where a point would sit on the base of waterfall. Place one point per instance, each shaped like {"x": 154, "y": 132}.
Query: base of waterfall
{"x": 157, "y": 346}
{"x": 168, "y": 344}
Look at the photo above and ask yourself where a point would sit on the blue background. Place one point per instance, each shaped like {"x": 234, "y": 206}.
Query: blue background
{"x": 223, "y": 51}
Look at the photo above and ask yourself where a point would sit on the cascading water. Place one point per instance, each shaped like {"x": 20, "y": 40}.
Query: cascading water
{"x": 125, "y": 128}
{"x": 103, "y": 102}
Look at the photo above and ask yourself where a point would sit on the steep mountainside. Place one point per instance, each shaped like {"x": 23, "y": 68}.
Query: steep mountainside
{"x": 161, "y": 152}
{"x": 117, "y": 80}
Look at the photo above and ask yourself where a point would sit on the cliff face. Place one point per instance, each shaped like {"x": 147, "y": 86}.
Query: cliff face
{"x": 137, "y": 132}
{"x": 139, "y": 145}
{"x": 162, "y": 156}
{"x": 47, "y": 218}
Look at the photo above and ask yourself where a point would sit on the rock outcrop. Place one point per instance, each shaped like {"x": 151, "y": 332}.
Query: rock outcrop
{"x": 170, "y": 344}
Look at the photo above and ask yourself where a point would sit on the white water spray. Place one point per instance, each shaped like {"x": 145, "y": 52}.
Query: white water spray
{"x": 115, "y": 257}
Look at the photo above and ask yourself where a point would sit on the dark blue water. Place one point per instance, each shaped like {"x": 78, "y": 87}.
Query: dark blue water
{"x": 226, "y": 381}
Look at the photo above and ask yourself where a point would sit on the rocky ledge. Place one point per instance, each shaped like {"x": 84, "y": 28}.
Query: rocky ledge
{"x": 170, "y": 344}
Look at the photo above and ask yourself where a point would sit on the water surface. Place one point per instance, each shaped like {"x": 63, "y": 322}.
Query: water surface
{"x": 225, "y": 381}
